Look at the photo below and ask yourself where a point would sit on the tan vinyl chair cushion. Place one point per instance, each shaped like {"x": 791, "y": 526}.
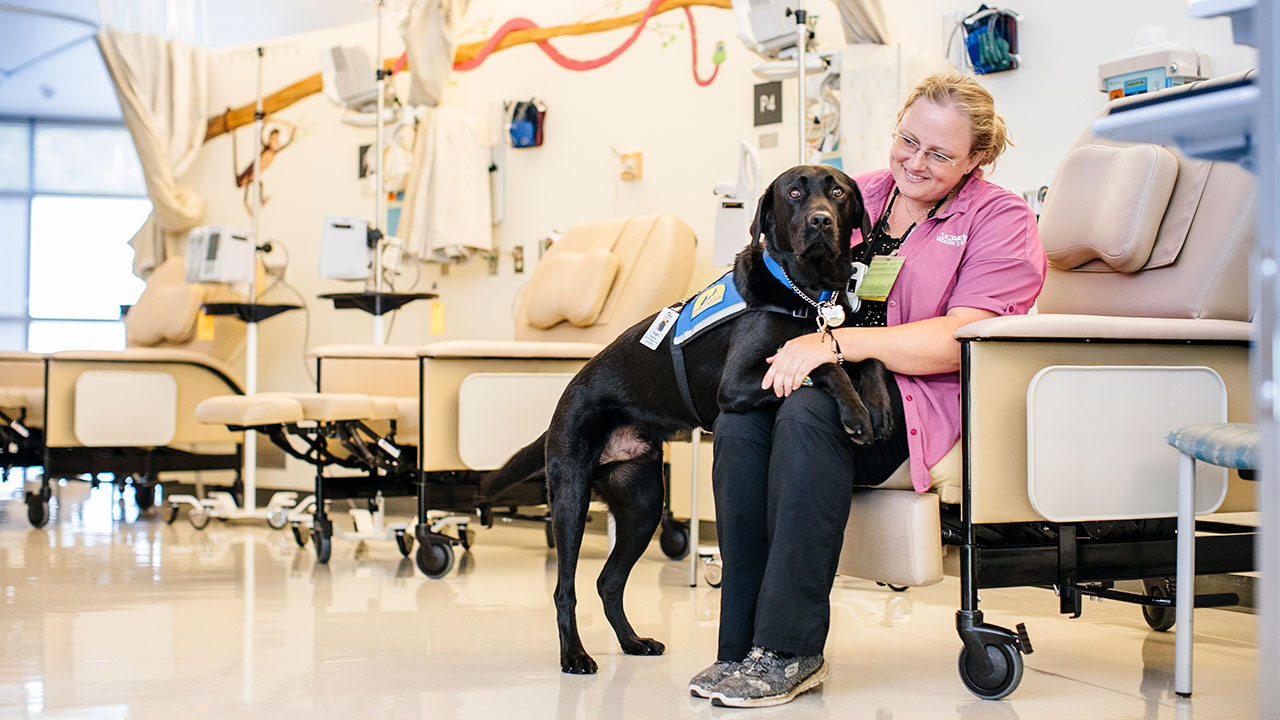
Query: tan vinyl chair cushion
{"x": 12, "y": 398}
{"x": 1107, "y": 203}
{"x": 334, "y": 407}
{"x": 24, "y": 402}
{"x": 509, "y": 349}
{"x": 893, "y": 536}
{"x": 570, "y": 286}
{"x": 163, "y": 314}
{"x": 1198, "y": 265}
{"x": 655, "y": 260}
{"x": 408, "y": 418}
{"x": 946, "y": 475}
{"x": 249, "y": 410}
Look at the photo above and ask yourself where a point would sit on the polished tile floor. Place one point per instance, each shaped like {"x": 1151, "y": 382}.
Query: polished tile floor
{"x": 109, "y": 615}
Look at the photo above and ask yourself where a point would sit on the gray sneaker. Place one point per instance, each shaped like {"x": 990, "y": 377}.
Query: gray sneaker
{"x": 766, "y": 679}
{"x": 700, "y": 685}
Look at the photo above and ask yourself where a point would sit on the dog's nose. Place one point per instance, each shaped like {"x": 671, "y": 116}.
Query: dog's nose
{"x": 820, "y": 221}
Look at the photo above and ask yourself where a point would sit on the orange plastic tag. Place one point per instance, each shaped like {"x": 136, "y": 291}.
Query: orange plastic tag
{"x": 437, "y": 317}
{"x": 204, "y": 327}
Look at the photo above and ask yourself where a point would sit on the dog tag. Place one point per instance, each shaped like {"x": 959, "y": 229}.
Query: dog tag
{"x": 832, "y": 315}
{"x": 880, "y": 277}
{"x": 659, "y": 329}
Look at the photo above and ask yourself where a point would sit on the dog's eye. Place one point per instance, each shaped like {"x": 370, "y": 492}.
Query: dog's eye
{"x": 837, "y": 192}
{"x": 795, "y": 192}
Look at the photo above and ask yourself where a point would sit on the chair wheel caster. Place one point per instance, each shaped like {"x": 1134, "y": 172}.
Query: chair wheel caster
{"x": 1002, "y": 679}
{"x": 435, "y": 559}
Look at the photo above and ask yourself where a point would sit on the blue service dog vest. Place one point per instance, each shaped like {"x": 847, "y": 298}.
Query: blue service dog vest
{"x": 717, "y": 303}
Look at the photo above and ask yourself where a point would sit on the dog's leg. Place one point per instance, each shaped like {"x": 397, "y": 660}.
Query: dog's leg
{"x": 634, "y": 493}
{"x": 873, "y": 379}
{"x": 568, "y": 486}
{"x": 853, "y": 413}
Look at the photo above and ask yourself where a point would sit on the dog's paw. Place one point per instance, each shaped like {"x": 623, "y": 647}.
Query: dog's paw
{"x": 577, "y": 664}
{"x": 881, "y": 422}
{"x": 884, "y": 428}
{"x": 859, "y": 427}
{"x": 643, "y": 646}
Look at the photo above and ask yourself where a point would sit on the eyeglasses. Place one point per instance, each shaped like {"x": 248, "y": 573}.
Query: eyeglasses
{"x": 912, "y": 147}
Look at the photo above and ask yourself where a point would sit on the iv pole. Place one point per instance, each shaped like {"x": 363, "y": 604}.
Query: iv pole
{"x": 251, "y": 332}
{"x": 375, "y": 267}
{"x": 802, "y": 40}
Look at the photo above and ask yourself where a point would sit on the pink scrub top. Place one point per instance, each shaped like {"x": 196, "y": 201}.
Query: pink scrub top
{"x": 982, "y": 251}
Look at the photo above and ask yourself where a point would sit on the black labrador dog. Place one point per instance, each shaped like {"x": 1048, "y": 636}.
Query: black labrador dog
{"x": 607, "y": 431}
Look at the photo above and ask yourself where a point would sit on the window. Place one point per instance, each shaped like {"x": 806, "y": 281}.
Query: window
{"x": 71, "y": 198}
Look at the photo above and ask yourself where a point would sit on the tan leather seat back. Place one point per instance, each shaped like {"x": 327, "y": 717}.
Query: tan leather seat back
{"x": 1143, "y": 231}
{"x": 602, "y": 277}
{"x": 166, "y": 315}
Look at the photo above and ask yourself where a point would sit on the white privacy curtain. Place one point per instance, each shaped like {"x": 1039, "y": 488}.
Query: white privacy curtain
{"x": 430, "y": 32}
{"x": 863, "y": 21}
{"x": 447, "y": 214}
{"x": 162, "y": 83}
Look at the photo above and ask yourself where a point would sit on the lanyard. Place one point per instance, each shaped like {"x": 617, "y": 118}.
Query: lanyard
{"x": 884, "y": 221}
{"x": 861, "y": 267}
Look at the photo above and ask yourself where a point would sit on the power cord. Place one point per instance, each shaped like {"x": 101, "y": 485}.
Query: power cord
{"x": 306, "y": 308}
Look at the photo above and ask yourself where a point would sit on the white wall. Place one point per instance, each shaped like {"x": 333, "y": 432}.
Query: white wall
{"x": 644, "y": 101}
{"x": 1053, "y": 96}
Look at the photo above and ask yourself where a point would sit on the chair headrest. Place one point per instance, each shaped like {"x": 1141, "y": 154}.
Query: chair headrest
{"x": 570, "y": 286}
{"x": 1106, "y": 203}
{"x": 163, "y": 314}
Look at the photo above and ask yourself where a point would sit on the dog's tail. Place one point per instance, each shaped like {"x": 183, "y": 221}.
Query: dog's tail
{"x": 528, "y": 463}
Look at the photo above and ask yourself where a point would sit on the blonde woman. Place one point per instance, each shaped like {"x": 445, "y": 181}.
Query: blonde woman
{"x": 964, "y": 249}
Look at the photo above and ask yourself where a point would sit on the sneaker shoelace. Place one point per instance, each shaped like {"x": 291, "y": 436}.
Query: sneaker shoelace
{"x": 757, "y": 662}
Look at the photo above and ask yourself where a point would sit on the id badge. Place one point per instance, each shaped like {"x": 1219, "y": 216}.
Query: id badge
{"x": 661, "y": 325}
{"x": 878, "y": 281}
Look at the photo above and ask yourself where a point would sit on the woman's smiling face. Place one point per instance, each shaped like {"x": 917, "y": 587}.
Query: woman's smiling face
{"x": 940, "y": 136}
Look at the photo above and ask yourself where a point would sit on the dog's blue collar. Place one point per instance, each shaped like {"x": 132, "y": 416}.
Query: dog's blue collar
{"x": 776, "y": 270}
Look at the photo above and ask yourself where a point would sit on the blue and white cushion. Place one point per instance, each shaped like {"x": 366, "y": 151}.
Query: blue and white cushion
{"x": 1232, "y": 445}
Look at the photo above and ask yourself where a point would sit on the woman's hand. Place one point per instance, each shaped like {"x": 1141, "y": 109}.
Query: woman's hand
{"x": 794, "y": 361}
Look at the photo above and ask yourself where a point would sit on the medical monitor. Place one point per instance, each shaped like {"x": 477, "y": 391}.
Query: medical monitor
{"x": 347, "y": 77}
{"x": 765, "y": 26}
{"x": 217, "y": 253}
{"x": 344, "y": 248}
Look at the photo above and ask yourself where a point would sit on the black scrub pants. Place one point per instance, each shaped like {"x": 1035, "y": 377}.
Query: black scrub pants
{"x": 783, "y": 479}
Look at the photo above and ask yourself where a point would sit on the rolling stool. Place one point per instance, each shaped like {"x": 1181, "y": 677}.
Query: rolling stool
{"x": 1229, "y": 445}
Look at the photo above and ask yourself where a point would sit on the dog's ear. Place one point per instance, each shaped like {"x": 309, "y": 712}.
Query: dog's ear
{"x": 861, "y": 215}
{"x": 763, "y": 221}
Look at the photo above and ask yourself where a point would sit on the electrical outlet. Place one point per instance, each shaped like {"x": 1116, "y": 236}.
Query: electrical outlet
{"x": 632, "y": 166}
{"x": 517, "y": 258}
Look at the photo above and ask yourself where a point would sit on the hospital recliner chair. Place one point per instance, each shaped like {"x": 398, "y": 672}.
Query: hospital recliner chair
{"x": 1061, "y": 477}
{"x": 131, "y": 413}
{"x": 21, "y": 410}
{"x": 429, "y": 421}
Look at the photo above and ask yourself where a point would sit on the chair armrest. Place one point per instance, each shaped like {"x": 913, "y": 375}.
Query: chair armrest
{"x": 510, "y": 349}
{"x": 196, "y": 376}
{"x": 1101, "y": 327}
{"x": 364, "y": 352}
{"x": 153, "y": 355}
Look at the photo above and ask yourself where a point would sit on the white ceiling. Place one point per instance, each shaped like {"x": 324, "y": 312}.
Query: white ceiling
{"x": 50, "y": 66}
